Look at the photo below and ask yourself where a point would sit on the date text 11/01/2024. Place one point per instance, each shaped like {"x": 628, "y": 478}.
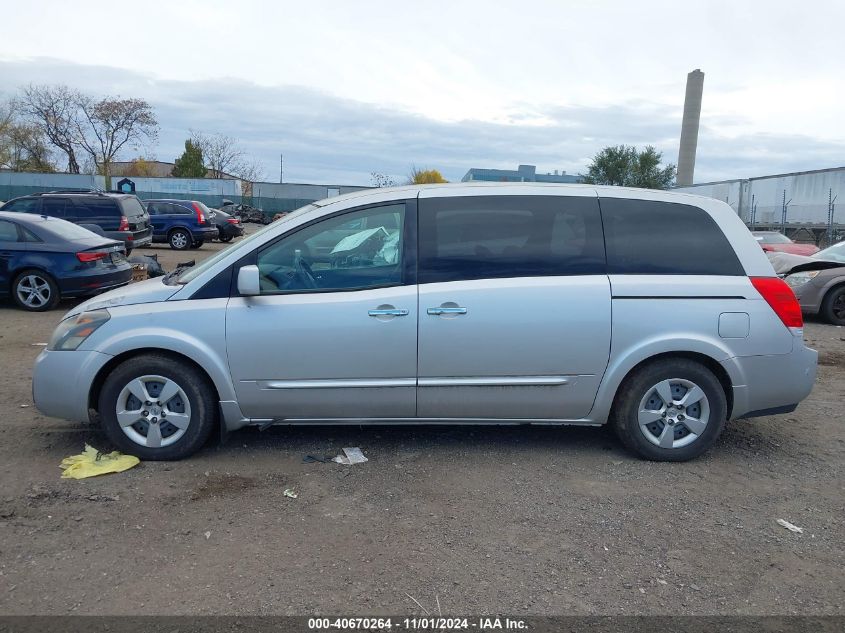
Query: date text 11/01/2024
{"x": 417, "y": 624}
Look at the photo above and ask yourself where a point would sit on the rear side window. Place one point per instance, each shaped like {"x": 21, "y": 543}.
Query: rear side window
{"x": 176, "y": 209}
{"x": 645, "y": 237}
{"x": 482, "y": 237}
{"x": 24, "y": 205}
{"x": 94, "y": 208}
{"x": 8, "y": 232}
{"x": 54, "y": 207}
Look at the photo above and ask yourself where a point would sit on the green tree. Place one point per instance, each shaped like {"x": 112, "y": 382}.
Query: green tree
{"x": 625, "y": 166}
{"x": 189, "y": 164}
{"x": 425, "y": 177}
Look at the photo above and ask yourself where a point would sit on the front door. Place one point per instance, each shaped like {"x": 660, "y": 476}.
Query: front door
{"x": 514, "y": 306}
{"x": 333, "y": 334}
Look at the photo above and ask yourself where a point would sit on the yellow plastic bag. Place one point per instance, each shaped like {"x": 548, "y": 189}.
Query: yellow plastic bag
{"x": 92, "y": 462}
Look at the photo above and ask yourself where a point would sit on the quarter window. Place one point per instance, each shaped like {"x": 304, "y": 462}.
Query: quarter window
{"x": 509, "y": 236}
{"x": 353, "y": 251}
{"x": 646, "y": 237}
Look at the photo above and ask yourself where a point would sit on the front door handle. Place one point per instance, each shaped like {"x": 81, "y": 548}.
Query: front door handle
{"x": 442, "y": 310}
{"x": 388, "y": 312}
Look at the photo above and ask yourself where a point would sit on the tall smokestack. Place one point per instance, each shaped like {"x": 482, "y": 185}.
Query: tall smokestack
{"x": 689, "y": 127}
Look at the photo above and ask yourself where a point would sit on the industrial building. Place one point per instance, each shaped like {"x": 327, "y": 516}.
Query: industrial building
{"x": 801, "y": 204}
{"x": 523, "y": 173}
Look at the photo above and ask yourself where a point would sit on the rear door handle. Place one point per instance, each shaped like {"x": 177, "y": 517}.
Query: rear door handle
{"x": 437, "y": 311}
{"x": 390, "y": 312}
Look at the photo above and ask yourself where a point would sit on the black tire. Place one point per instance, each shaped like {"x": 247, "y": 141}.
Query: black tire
{"x": 225, "y": 238}
{"x": 180, "y": 239}
{"x": 198, "y": 243}
{"x": 128, "y": 251}
{"x": 636, "y": 386}
{"x": 196, "y": 386}
{"x": 834, "y": 302}
{"x": 25, "y": 279}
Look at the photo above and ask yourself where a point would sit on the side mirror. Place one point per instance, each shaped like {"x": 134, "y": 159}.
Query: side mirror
{"x": 249, "y": 281}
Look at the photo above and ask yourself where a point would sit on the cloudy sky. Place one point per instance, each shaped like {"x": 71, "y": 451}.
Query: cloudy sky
{"x": 343, "y": 89}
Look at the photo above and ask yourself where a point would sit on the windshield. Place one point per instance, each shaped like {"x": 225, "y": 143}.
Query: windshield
{"x": 243, "y": 245}
{"x": 835, "y": 253}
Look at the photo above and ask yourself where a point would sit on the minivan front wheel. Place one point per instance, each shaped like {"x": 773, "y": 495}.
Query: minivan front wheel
{"x": 670, "y": 410}
{"x": 157, "y": 407}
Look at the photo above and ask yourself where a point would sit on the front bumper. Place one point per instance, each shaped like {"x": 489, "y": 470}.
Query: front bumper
{"x": 61, "y": 382}
{"x": 773, "y": 383}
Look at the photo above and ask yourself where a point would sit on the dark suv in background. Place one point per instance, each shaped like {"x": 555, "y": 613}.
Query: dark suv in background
{"x": 121, "y": 216}
{"x": 183, "y": 224}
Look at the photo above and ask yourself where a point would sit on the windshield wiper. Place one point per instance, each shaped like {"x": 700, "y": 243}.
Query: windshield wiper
{"x": 176, "y": 272}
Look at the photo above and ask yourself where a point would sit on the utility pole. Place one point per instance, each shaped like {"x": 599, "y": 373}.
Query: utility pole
{"x": 831, "y": 200}
{"x": 281, "y": 168}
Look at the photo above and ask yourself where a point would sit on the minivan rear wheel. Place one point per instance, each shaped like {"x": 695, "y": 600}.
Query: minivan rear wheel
{"x": 157, "y": 407}
{"x": 670, "y": 410}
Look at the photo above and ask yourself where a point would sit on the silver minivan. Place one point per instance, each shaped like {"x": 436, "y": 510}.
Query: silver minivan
{"x": 450, "y": 304}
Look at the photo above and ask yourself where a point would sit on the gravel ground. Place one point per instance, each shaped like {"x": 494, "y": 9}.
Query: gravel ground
{"x": 481, "y": 520}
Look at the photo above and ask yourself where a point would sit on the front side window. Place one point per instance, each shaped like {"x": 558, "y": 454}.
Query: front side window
{"x": 509, "y": 236}
{"x": 353, "y": 251}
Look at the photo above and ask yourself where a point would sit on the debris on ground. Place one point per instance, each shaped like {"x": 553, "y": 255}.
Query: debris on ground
{"x": 790, "y": 526}
{"x": 153, "y": 268}
{"x": 91, "y": 462}
{"x": 39, "y": 344}
{"x": 351, "y": 456}
{"x": 207, "y": 535}
{"x": 289, "y": 492}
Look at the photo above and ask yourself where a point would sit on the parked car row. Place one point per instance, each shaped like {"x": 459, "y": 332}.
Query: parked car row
{"x": 65, "y": 244}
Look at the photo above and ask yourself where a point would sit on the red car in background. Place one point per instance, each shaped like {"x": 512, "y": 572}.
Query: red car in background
{"x": 774, "y": 242}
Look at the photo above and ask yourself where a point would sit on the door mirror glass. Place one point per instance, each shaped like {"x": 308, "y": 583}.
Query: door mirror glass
{"x": 249, "y": 281}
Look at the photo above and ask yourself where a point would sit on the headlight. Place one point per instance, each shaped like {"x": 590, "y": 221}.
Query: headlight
{"x": 72, "y": 332}
{"x": 799, "y": 279}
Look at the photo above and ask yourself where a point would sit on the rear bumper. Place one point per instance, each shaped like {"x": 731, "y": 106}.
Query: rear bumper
{"x": 765, "y": 385}
{"x": 205, "y": 234}
{"x": 81, "y": 285}
{"x": 132, "y": 240}
{"x": 233, "y": 230}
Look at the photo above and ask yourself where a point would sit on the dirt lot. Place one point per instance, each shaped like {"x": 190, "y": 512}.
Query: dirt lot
{"x": 483, "y": 520}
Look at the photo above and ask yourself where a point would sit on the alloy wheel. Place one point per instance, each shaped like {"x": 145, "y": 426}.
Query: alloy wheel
{"x": 153, "y": 411}
{"x": 673, "y": 413}
{"x": 33, "y": 291}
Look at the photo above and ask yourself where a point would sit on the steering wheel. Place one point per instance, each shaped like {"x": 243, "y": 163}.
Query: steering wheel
{"x": 303, "y": 270}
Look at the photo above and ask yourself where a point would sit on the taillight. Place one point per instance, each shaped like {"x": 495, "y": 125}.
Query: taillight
{"x": 232, "y": 221}
{"x": 91, "y": 256}
{"x": 200, "y": 216}
{"x": 124, "y": 224}
{"x": 782, "y": 300}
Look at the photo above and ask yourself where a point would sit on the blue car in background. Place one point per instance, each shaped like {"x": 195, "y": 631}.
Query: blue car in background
{"x": 44, "y": 259}
{"x": 183, "y": 224}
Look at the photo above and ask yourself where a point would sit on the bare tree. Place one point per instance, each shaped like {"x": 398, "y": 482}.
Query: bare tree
{"x": 382, "y": 180}
{"x": 221, "y": 153}
{"x": 23, "y": 146}
{"x": 104, "y": 127}
{"x": 54, "y": 110}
